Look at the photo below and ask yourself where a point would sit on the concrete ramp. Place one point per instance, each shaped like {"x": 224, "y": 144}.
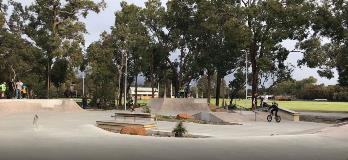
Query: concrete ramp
{"x": 11, "y": 106}
{"x": 233, "y": 117}
{"x": 174, "y": 106}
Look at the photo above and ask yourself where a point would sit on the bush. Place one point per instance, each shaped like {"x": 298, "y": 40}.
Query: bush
{"x": 146, "y": 109}
{"x": 179, "y": 130}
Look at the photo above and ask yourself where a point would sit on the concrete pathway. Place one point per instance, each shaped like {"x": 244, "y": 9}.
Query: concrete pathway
{"x": 74, "y": 136}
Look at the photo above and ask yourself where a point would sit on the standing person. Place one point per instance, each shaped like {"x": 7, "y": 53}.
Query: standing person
{"x": 19, "y": 86}
{"x": 98, "y": 102}
{"x": 24, "y": 90}
{"x": 31, "y": 94}
{"x": 265, "y": 99}
{"x": 2, "y": 90}
{"x": 84, "y": 102}
{"x": 11, "y": 89}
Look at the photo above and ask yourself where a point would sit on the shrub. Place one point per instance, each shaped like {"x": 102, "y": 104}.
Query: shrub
{"x": 179, "y": 130}
{"x": 146, "y": 109}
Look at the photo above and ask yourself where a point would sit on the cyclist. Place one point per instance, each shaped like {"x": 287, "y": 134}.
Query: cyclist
{"x": 274, "y": 108}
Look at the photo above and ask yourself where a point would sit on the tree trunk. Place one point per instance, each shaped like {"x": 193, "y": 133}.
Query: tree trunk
{"x": 209, "y": 86}
{"x": 218, "y": 87}
{"x": 255, "y": 73}
{"x": 121, "y": 92}
{"x": 57, "y": 92}
{"x": 165, "y": 90}
{"x": 176, "y": 88}
{"x": 136, "y": 90}
{"x": 152, "y": 87}
{"x": 48, "y": 77}
{"x": 119, "y": 88}
{"x": 151, "y": 77}
{"x": 223, "y": 93}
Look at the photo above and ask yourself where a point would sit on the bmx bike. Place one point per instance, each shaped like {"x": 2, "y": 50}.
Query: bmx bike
{"x": 270, "y": 117}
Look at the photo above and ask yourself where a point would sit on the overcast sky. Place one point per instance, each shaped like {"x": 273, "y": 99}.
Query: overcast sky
{"x": 97, "y": 23}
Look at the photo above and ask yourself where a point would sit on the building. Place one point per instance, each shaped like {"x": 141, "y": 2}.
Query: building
{"x": 143, "y": 92}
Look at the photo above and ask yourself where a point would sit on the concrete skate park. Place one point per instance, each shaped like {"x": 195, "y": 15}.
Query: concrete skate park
{"x": 64, "y": 131}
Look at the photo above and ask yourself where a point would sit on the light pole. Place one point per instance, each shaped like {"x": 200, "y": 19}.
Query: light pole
{"x": 83, "y": 83}
{"x": 125, "y": 81}
{"x": 246, "y": 74}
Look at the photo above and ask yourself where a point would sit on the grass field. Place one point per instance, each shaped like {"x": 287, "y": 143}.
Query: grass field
{"x": 299, "y": 105}
{"x": 293, "y": 105}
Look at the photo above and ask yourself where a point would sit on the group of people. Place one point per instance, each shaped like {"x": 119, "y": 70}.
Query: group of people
{"x": 17, "y": 90}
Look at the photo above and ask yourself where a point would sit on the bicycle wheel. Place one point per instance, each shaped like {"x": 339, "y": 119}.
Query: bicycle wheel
{"x": 269, "y": 118}
{"x": 278, "y": 119}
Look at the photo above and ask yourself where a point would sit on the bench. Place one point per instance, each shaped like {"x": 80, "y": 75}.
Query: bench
{"x": 322, "y": 100}
{"x": 134, "y": 116}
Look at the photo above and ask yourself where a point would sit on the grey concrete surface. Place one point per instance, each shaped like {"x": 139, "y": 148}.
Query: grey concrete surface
{"x": 174, "y": 106}
{"x": 74, "y": 136}
{"x": 337, "y": 115}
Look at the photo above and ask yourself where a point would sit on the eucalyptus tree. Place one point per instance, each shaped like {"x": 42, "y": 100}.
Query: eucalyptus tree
{"x": 131, "y": 35}
{"x": 269, "y": 23}
{"x": 102, "y": 61}
{"x": 216, "y": 39}
{"x": 55, "y": 27}
{"x": 237, "y": 84}
{"x": 329, "y": 23}
{"x": 166, "y": 27}
{"x": 19, "y": 58}
{"x": 180, "y": 25}
{"x": 157, "y": 55}
{"x": 59, "y": 73}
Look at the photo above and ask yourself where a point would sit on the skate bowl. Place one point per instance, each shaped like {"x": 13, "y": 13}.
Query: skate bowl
{"x": 174, "y": 106}
{"x": 11, "y": 106}
{"x": 245, "y": 116}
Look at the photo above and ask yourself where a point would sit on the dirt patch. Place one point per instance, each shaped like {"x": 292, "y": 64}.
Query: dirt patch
{"x": 133, "y": 131}
{"x": 184, "y": 116}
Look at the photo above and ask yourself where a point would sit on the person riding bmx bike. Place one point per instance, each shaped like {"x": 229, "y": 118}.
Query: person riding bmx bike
{"x": 273, "y": 108}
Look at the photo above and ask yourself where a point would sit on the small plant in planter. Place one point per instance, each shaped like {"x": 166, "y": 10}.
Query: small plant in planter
{"x": 179, "y": 130}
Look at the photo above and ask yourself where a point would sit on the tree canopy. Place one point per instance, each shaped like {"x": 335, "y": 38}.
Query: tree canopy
{"x": 182, "y": 42}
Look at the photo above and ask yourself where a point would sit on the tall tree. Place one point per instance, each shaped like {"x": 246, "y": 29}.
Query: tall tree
{"x": 131, "y": 35}
{"x": 55, "y": 27}
{"x": 59, "y": 73}
{"x": 180, "y": 24}
{"x": 217, "y": 39}
{"x": 167, "y": 28}
{"x": 236, "y": 84}
{"x": 269, "y": 23}
{"x": 329, "y": 22}
{"x": 102, "y": 58}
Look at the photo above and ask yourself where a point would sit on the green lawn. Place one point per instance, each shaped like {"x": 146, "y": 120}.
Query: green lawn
{"x": 301, "y": 105}
{"x": 293, "y": 105}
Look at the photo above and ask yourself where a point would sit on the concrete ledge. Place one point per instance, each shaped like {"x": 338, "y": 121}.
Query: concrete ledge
{"x": 116, "y": 126}
{"x": 289, "y": 114}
